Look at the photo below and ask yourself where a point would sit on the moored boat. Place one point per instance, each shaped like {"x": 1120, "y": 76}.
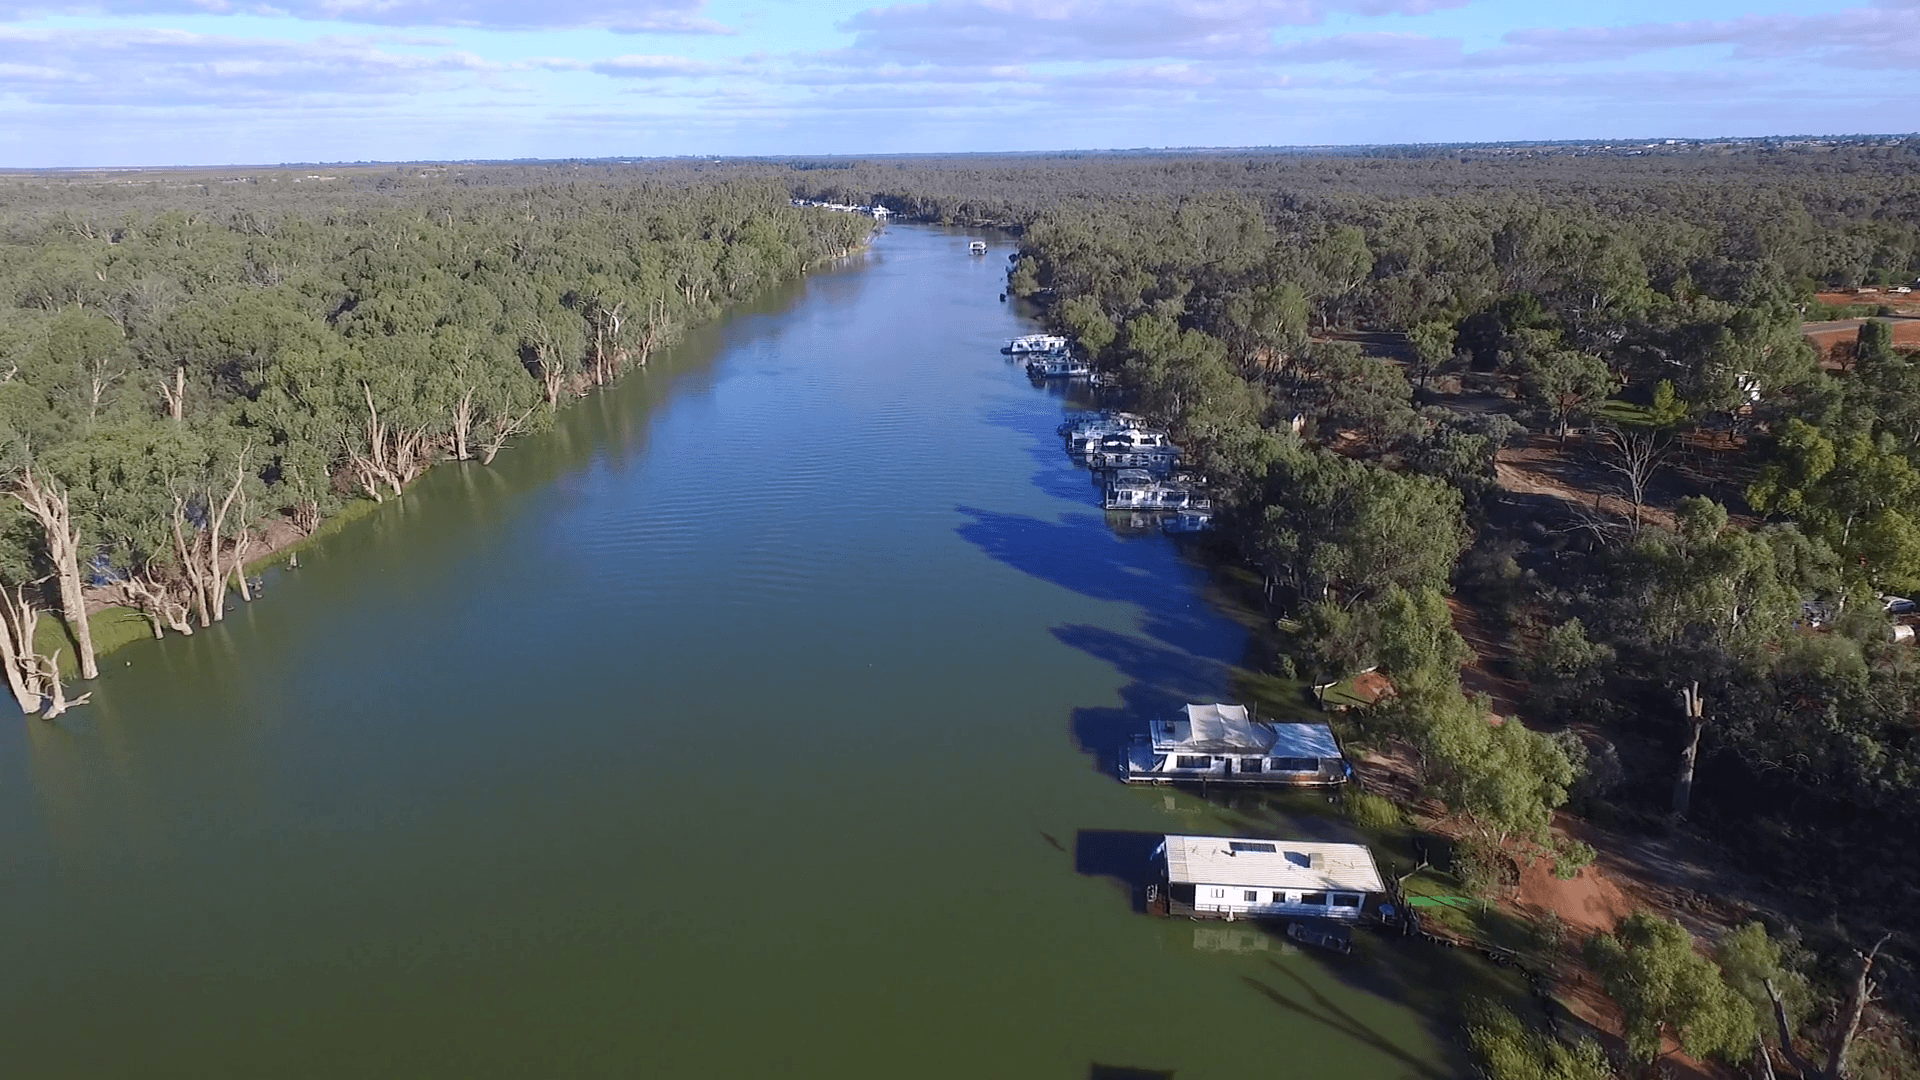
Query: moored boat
{"x": 1058, "y": 366}
{"x": 1323, "y": 888}
{"x": 1223, "y": 744}
{"x": 1036, "y": 343}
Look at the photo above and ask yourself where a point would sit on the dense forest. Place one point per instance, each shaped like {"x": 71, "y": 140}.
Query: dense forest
{"x": 1566, "y": 405}
{"x": 196, "y": 369}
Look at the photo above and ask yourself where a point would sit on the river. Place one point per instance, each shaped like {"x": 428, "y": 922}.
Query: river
{"x": 748, "y": 724}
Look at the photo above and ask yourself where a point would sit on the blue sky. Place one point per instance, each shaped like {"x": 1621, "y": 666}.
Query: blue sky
{"x": 165, "y": 82}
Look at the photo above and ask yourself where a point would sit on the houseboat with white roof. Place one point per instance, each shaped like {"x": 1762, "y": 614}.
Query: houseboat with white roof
{"x": 1137, "y": 489}
{"x": 1087, "y": 440}
{"x": 1127, "y": 454}
{"x": 1222, "y": 744}
{"x": 977, "y": 247}
{"x": 1058, "y": 366}
{"x": 1220, "y": 877}
{"x": 1036, "y": 343}
{"x": 1105, "y": 422}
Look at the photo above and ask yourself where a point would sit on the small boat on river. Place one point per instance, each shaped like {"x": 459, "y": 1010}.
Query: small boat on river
{"x": 977, "y": 247}
{"x": 1321, "y": 934}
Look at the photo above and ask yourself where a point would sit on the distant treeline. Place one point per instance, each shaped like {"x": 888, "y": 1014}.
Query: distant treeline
{"x": 185, "y": 360}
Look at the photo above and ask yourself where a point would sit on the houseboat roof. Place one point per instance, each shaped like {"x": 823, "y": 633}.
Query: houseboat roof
{"x": 1227, "y": 729}
{"x": 1215, "y": 728}
{"x": 1271, "y": 864}
{"x": 1304, "y": 740}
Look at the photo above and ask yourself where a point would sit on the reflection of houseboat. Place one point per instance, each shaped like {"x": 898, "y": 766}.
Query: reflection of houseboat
{"x": 1136, "y": 489}
{"x": 1217, "y": 877}
{"x": 977, "y": 247}
{"x": 1223, "y": 744}
{"x": 1189, "y": 521}
{"x": 1058, "y": 366}
{"x": 1036, "y": 343}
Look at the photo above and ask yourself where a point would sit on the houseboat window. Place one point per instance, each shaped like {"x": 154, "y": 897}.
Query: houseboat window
{"x": 1279, "y": 898}
{"x": 1219, "y": 894}
{"x": 1193, "y": 761}
{"x": 1251, "y": 896}
{"x": 1317, "y": 898}
{"x": 1296, "y": 764}
{"x": 1249, "y": 845}
{"x": 1345, "y": 900}
{"x": 1249, "y": 764}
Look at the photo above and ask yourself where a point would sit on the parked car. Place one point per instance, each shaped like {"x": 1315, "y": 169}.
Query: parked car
{"x": 1898, "y": 605}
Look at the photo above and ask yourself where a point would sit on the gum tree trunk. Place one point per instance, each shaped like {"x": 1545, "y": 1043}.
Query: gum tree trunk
{"x": 51, "y": 508}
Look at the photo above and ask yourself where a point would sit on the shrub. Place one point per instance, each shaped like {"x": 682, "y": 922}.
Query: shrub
{"x": 1508, "y": 1050}
{"x": 1569, "y": 858}
{"x": 1370, "y": 811}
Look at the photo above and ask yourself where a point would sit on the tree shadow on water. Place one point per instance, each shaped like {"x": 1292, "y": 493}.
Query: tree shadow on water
{"x": 1164, "y": 680}
{"x": 1081, "y": 554}
{"x": 1097, "y": 1071}
{"x": 1302, "y": 999}
{"x": 1120, "y": 855}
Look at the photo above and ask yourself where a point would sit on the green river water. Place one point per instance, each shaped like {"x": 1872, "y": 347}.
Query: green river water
{"x": 753, "y": 723}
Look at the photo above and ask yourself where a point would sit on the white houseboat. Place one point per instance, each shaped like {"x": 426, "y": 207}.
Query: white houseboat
{"x": 977, "y": 247}
{"x": 1124, "y": 456}
{"x": 1137, "y": 489}
{"x": 1084, "y": 441}
{"x": 1105, "y": 422}
{"x": 1221, "y": 877}
{"x": 1058, "y": 366}
{"x": 1036, "y": 343}
{"x": 1222, "y": 744}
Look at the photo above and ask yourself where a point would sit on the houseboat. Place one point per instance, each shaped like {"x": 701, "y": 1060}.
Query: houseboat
{"x": 977, "y": 247}
{"x": 1125, "y": 457}
{"x": 1086, "y": 440}
{"x": 1035, "y": 343}
{"x": 1325, "y": 887}
{"x": 1137, "y": 489}
{"x": 1105, "y": 422}
{"x": 1222, "y": 744}
{"x": 1058, "y": 366}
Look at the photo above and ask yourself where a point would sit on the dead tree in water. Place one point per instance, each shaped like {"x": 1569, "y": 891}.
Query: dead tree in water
{"x": 17, "y": 624}
{"x": 52, "y": 509}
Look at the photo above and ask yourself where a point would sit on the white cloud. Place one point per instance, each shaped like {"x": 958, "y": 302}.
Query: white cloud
{"x": 630, "y": 16}
{"x": 997, "y": 31}
{"x": 166, "y": 67}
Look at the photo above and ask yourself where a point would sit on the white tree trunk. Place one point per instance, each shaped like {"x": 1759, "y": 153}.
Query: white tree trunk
{"x": 51, "y": 508}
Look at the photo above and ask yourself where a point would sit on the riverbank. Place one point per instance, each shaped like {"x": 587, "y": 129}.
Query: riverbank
{"x": 117, "y": 618}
